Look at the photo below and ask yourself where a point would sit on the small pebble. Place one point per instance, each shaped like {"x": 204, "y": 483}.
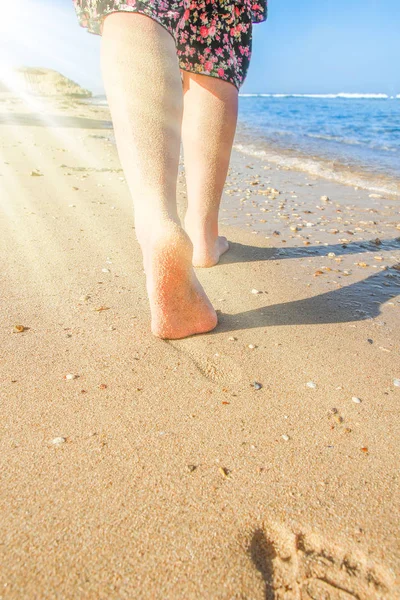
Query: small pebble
{"x": 285, "y": 437}
{"x": 232, "y": 339}
{"x": 356, "y": 400}
{"x": 58, "y": 440}
{"x": 71, "y": 376}
{"x": 252, "y": 346}
{"x": 396, "y": 382}
{"x": 257, "y": 385}
{"x": 224, "y": 471}
{"x": 105, "y": 270}
{"x": 311, "y": 385}
{"x": 253, "y": 291}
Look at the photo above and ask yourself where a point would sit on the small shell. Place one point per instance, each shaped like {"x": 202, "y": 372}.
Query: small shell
{"x": 356, "y": 400}
{"x": 285, "y": 437}
{"x": 70, "y": 376}
{"x": 312, "y": 385}
{"x": 58, "y": 440}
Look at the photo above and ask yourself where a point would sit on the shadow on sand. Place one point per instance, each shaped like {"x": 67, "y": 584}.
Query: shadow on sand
{"x": 355, "y": 302}
{"x": 262, "y": 553}
{"x": 38, "y": 120}
{"x": 242, "y": 253}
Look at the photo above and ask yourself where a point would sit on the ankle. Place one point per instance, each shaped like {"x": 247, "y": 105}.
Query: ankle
{"x": 201, "y": 228}
{"x": 149, "y": 231}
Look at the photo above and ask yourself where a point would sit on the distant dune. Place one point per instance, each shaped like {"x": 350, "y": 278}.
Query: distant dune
{"x": 42, "y": 82}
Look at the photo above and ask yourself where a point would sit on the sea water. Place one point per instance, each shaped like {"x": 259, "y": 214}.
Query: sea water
{"x": 350, "y": 137}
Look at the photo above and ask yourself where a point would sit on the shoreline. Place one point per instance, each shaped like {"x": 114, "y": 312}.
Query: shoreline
{"x": 353, "y": 174}
{"x": 252, "y": 143}
{"x": 138, "y": 468}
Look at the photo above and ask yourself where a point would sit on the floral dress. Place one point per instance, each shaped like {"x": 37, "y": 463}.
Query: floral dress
{"x": 212, "y": 37}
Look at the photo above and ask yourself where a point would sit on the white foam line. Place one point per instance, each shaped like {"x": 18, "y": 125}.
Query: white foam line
{"x": 346, "y": 95}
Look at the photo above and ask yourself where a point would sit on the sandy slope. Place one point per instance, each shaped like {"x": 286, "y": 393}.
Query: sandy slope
{"x": 174, "y": 480}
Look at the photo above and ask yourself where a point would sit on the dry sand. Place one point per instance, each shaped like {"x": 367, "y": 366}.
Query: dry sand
{"x": 159, "y": 470}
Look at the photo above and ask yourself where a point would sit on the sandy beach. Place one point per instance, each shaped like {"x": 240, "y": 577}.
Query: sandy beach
{"x": 259, "y": 461}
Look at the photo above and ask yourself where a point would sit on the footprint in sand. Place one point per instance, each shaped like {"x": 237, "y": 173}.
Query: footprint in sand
{"x": 222, "y": 370}
{"x": 302, "y": 566}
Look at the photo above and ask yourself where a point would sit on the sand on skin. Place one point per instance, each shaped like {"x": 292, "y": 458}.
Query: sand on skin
{"x": 174, "y": 480}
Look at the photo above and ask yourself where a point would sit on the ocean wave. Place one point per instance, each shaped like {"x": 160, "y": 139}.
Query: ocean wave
{"x": 349, "y": 96}
{"x": 319, "y": 167}
{"x": 352, "y": 142}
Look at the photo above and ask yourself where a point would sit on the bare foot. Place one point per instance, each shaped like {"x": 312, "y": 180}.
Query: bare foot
{"x": 208, "y": 246}
{"x": 208, "y": 254}
{"x": 179, "y": 306}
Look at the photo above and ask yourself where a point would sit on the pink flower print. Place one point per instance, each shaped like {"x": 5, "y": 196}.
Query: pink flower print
{"x": 212, "y": 36}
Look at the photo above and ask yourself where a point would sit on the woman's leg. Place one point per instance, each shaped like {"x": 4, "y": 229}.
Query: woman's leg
{"x": 208, "y": 129}
{"x": 144, "y": 91}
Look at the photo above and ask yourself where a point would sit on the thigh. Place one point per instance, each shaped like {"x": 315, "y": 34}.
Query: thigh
{"x": 203, "y": 86}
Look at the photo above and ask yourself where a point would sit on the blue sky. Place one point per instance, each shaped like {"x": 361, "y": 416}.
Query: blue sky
{"x": 307, "y": 46}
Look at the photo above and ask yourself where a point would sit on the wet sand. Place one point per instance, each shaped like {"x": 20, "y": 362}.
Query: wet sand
{"x": 257, "y": 461}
